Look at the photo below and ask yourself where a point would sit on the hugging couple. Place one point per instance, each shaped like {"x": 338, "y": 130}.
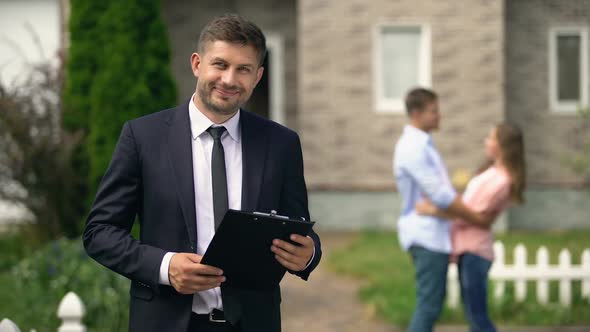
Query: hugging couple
{"x": 437, "y": 225}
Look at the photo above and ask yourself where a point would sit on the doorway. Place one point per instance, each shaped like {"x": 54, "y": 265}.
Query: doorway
{"x": 268, "y": 98}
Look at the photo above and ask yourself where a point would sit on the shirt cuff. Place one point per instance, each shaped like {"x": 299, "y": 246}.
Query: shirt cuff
{"x": 311, "y": 260}
{"x": 164, "y": 280}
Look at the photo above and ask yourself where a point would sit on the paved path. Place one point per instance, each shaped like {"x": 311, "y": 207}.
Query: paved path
{"x": 326, "y": 303}
{"x": 329, "y": 303}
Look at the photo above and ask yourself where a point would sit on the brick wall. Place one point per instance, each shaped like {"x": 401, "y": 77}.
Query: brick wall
{"x": 347, "y": 145}
{"x": 550, "y": 137}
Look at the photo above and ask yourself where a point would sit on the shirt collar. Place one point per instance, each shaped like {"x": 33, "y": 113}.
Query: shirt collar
{"x": 418, "y": 134}
{"x": 200, "y": 123}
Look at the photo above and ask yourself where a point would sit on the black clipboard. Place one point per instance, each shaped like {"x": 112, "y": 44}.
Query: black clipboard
{"x": 241, "y": 247}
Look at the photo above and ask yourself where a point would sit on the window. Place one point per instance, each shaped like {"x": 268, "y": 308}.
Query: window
{"x": 568, "y": 68}
{"x": 402, "y": 61}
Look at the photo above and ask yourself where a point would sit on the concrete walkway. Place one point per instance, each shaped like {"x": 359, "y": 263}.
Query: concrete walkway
{"x": 329, "y": 303}
{"x": 326, "y": 303}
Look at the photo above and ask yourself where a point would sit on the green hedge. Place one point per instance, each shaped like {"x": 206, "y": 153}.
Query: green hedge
{"x": 81, "y": 68}
{"x": 118, "y": 69}
{"x": 134, "y": 79}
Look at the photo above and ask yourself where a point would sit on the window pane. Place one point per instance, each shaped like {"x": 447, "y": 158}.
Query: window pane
{"x": 568, "y": 61}
{"x": 400, "y": 59}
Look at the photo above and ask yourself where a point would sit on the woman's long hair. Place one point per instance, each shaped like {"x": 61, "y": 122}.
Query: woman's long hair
{"x": 511, "y": 141}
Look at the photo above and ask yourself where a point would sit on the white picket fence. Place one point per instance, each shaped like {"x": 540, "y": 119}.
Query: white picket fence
{"x": 70, "y": 311}
{"x": 521, "y": 272}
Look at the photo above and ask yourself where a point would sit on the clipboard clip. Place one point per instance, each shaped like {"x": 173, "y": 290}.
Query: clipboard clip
{"x": 273, "y": 213}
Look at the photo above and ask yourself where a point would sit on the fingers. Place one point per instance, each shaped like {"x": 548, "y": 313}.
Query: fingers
{"x": 191, "y": 263}
{"x": 305, "y": 241}
{"x": 203, "y": 269}
{"x": 291, "y": 256}
{"x": 195, "y": 284}
{"x": 288, "y": 264}
{"x": 188, "y": 277}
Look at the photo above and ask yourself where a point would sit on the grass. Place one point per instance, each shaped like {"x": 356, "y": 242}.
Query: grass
{"x": 378, "y": 260}
{"x": 16, "y": 243}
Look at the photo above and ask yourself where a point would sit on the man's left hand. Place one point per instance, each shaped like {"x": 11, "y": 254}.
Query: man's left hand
{"x": 292, "y": 257}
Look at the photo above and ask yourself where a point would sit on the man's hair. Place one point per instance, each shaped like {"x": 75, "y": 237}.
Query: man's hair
{"x": 418, "y": 98}
{"x": 233, "y": 28}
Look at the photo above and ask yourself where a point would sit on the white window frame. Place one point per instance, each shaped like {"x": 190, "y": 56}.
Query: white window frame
{"x": 397, "y": 105}
{"x": 562, "y": 107}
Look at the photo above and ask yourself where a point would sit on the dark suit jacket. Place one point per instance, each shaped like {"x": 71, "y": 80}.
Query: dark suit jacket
{"x": 151, "y": 176}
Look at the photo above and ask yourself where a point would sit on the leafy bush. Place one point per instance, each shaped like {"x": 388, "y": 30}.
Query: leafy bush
{"x": 16, "y": 242}
{"x": 36, "y": 285}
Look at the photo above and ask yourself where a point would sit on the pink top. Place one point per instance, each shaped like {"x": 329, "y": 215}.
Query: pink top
{"x": 489, "y": 193}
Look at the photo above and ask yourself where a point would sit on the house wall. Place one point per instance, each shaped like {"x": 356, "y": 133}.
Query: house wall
{"x": 348, "y": 146}
{"x": 551, "y": 137}
{"x": 554, "y": 200}
{"x": 489, "y": 64}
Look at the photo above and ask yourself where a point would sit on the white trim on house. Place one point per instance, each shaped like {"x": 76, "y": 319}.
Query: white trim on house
{"x": 567, "y": 107}
{"x": 275, "y": 45}
{"x": 396, "y": 105}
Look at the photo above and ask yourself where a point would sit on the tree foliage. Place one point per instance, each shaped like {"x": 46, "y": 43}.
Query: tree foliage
{"x": 133, "y": 76}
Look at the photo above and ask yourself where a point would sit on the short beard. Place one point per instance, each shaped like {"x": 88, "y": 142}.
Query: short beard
{"x": 207, "y": 101}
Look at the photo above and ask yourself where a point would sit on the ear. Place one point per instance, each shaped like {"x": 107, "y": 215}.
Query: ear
{"x": 259, "y": 73}
{"x": 195, "y": 63}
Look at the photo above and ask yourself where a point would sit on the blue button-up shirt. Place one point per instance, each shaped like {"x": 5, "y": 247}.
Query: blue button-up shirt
{"x": 420, "y": 173}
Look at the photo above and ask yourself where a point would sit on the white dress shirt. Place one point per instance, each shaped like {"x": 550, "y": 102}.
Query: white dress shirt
{"x": 420, "y": 173}
{"x": 202, "y": 146}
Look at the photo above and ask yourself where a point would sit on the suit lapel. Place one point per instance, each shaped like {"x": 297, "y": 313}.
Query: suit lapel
{"x": 181, "y": 162}
{"x": 254, "y": 149}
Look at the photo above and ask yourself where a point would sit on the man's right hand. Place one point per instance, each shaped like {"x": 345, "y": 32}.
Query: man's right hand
{"x": 187, "y": 275}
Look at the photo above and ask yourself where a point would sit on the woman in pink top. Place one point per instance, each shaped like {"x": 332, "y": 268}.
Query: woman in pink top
{"x": 500, "y": 183}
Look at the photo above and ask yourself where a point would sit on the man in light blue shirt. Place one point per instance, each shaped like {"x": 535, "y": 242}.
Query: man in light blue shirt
{"x": 421, "y": 175}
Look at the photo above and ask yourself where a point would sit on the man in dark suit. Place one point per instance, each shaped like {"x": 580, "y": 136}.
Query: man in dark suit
{"x": 178, "y": 171}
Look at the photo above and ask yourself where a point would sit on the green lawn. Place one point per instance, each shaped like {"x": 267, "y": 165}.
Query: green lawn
{"x": 377, "y": 259}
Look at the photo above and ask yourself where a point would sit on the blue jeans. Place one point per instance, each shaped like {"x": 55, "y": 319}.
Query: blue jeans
{"x": 431, "y": 286}
{"x": 473, "y": 277}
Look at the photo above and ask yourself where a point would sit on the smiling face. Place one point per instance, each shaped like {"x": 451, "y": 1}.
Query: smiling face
{"x": 227, "y": 74}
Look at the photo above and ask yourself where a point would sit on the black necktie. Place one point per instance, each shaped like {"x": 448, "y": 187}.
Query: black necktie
{"x": 218, "y": 176}
{"x": 230, "y": 300}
